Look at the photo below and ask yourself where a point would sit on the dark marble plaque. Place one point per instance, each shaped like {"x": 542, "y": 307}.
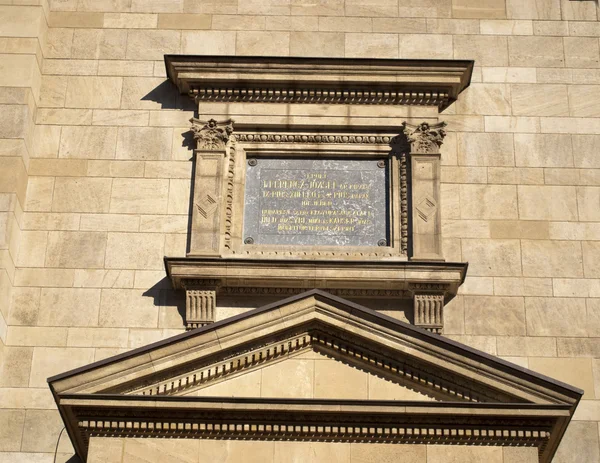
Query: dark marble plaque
{"x": 315, "y": 202}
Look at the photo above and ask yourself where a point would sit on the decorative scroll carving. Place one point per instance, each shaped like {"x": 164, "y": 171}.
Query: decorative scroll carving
{"x": 199, "y": 307}
{"x": 429, "y": 312}
{"x": 425, "y": 138}
{"x": 319, "y": 95}
{"x": 211, "y": 135}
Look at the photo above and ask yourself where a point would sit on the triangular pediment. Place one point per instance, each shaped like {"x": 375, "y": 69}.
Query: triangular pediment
{"x": 312, "y": 351}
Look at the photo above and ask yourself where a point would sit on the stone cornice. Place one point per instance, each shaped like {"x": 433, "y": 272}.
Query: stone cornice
{"x": 373, "y": 278}
{"x": 320, "y": 80}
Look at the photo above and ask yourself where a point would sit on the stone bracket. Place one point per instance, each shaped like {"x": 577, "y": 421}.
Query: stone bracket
{"x": 200, "y": 306}
{"x": 429, "y": 311}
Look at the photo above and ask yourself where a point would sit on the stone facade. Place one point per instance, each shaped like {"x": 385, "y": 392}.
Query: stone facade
{"x": 95, "y": 181}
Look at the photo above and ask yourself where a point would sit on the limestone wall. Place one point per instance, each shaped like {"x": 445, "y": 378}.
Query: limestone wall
{"x": 95, "y": 176}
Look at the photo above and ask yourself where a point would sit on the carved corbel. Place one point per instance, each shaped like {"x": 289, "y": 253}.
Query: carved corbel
{"x": 200, "y": 303}
{"x": 428, "y": 304}
{"x": 214, "y": 151}
{"x": 425, "y": 141}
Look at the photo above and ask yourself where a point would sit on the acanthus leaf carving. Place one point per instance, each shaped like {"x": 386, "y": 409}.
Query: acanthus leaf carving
{"x": 212, "y": 135}
{"x": 425, "y": 138}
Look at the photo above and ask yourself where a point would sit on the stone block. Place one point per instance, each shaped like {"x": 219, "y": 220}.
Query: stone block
{"x": 153, "y": 44}
{"x": 69, "y": 307}
{"x": 109, "y": 222}
{"x": 413, "y": 46}
{"x": 526, "y": 346}
{"x": 492, "y": 257}
{"x": 230, "y": 450}
{"x": 142, "y": 309}
{"x": 180, "y": 21}
{"x": 80, "y": 194}
{"x": 506, "y": 229}
{"x": 588, "y": 204}
{"x": 584, "y": 100}
{"x": 495, "y": 9}
{"x": 58, "y": 43}
{"x": 359, "y": 45}
{"x": 11, "y": 430}
{"x": 577, "y": 11}
{"x": 585, "y": 149}
{"x": 488, "y": 202}
{"x": 496, "y": 316}
{"x": 44, "y": 277}
{"x": 488, "y": 99}
{"x": 555, "y": 316}
{"x": 41, "y": 431}
{"x": 477, "y": 286}
{"x": 97, "y": 337}
{"x": 543, "y": 150}
{"x": 58, "y": 167}
{"x": 168, "y": 169}
{"x": 485, "y": 149}
{"x": 77, "y": 19}
{"x": 103, "y": 279}
{"x": 130, "y": 21}
{"x": 145, "y": 196}
{"x": 451, "y": 26}
{"x": 115, "y": 169}
{"x": 46, "y": 140}
{"x": 63, "y": 116}
{"x": 208, "y": 42}
{"x": 179, "y": 196}
{"x": 15, "y": 366}
{"x": 164, "y": 223}
{"x": 262, "y": 43}
{"x": 329, "y": 44}
{"x": 386, "y": 453}
{"x": 252, "y": 23}
{"x": 49, "y": 361}
{"x": 486, "y": 51}
{"x": 536, "y": 51}
{"x": 147, "y": 143}
{"x": 291, "y": 378}
{"x": 542, "y": 258}
{"x": 345, "y": 24}
{"x": 520, "y": 454}
{"x": 135, "y": 251}
{"x": 125, "y": 68}
{"x": 582, "y": 52}
{"x": 32, "y": 249}
{"x": 52, "y": 92}
{"x": 73, "y": 249}
{"x": 39, "y": 193}
{"x": 24, "y": 306}
{"x": 591, "y": 259}
{"x": 515, "y": 176}
{"x": 547, "y": 203}
{"x": 401, "y": 25}
{"x": 88, "y": 142}
{"x": 93, "y": 92}
{"x": 336, "y": 380}
{"x": 105, "y": 450}
{"x": 506, "y": 27}
{"x": 540, "y": 9}
{"x": 121, "y": 118}
{"x": 574, "y": 371}
{"x": 463, "y": 454}
{"x": 539, "y": 100}
{"x": 287, "y": 23}
{"x": 70, "y": 67}
{"x": 509, "y": 75}
{"x": 13, "y": 121}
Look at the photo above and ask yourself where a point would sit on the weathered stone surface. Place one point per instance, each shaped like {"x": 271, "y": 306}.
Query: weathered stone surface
{"x": 76, "y": 249}
{"x": 88, "y": 142}
{"x": 539, "y": 100}
{"x": 547, "y": 203}
{"x": 146, "y": 196}
{"x": 537, "y": 150}
{"x": 543, "y": 258}
{"x": 147, "y": 143}
{"x": 488, "y": 202}
{"x": 555, "y": 316}
{"x": 492, "y": 257}
{"x": 485, "y": 149}
{"x": 11, "y": 428}
{"x": 134, "y": 251}
{"x": 498, "y": 316}
{"x": 486, "y": 51}
{"x": 80, "y": 194}
{"x": 69, "y": 307}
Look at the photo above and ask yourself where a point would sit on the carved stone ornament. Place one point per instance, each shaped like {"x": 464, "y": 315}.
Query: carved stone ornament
{"x": 425, "y": 138}
{"x": 212, "y": 135}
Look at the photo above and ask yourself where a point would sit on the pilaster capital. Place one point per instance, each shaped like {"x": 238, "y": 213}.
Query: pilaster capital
{"x": 212, "y": 135}
{"x": 425, "y": 138}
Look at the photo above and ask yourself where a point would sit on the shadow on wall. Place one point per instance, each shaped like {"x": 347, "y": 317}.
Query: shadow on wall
{"x": 168, "y": 96}
{"x": 171, "y": 303}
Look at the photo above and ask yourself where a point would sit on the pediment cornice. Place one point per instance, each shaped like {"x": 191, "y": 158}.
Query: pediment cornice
{"x": 141, "y": 392}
